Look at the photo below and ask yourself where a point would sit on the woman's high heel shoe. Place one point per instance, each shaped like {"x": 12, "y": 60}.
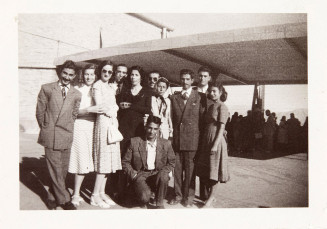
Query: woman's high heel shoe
{"x": 76, "y": 200}
{"x": 107, "y": 199}
{"x": 96, "y": 200}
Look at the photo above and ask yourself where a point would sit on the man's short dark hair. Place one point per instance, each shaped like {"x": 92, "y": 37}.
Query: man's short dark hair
{"x": 205, "y": 69}
{"x": 154, "y": 119}
{"x": 67, "y": 64}
{"x": 154, "y": 71}
{"x": 187, "y": 71}
{"x": 121, "y": 65}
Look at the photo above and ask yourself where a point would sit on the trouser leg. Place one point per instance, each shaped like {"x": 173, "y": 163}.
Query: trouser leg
{"x": 57, "y": 162}
{"x": 161, "y": 185}
{"x": 203, "y": 189}
{"x": 189, "y": 180}
{"x": 141, "y": 187}
{"x": 178, "y": 175}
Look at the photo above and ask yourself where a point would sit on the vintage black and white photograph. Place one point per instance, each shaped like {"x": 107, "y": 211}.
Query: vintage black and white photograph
{"x": 163, "y": 111}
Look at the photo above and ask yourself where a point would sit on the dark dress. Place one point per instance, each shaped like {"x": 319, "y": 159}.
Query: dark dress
{"x": 131, "y": 120}
{"x": 210, "y": 166}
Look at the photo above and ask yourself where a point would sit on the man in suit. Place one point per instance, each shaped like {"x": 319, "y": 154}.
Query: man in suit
{"x": 204, "y": 74}
{"x": 147, "y": 162}
{"x": 187, "y": 107}
{"x": 120, "y": 78}
{"x": 57, "y": 108}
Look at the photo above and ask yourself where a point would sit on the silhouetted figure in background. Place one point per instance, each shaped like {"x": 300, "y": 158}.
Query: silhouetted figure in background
{"x": 304, "y": 137}
{"x": 237, "y": 135}
{"x": 230, "y": 133}
{"x": 282, "y": 138}
{"x": 293, "y": 129}
{"x": 269, "y": 130}
{"x": 258, "y": 124}
{"x": 247, "y": 133}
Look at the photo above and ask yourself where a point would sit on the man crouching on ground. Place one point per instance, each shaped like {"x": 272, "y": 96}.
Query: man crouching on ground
{"x": 147, "y": 162}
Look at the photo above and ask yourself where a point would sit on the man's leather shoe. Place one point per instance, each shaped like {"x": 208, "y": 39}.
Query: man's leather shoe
{"x": 174, "y": 202}
{"x": 51, "y": 204}
{"x": 68, "y": 206}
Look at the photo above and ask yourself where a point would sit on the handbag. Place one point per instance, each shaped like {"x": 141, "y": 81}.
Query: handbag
{"x": 114, "y": 134}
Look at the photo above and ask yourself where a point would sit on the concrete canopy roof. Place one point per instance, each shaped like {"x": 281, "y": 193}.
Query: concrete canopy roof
{"x": 274, "y": 54}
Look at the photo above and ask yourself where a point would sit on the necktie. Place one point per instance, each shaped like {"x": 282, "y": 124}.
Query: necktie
{"x": 63, "y": 91}
{"x": 185, "y": 96}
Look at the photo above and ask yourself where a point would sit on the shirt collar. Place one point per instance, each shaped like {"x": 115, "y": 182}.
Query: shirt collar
{"x": 154, "y": 144}
{"x": 68, "y": 86}
{"x": 203, "y": 89}
{"x": 188, "y": 91}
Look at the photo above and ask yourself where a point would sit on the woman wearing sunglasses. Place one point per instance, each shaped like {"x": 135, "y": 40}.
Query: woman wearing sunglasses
{"x": 106, "y": 155}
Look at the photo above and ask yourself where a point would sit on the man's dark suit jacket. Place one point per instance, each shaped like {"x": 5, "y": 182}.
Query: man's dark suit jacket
{"x": 187, "y": 120}
{"x": 56, "y": 116}
{"x": 135, "y": 158}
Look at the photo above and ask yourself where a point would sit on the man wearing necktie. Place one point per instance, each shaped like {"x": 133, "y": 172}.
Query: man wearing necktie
{"x": 187, "y": 107}
{"x": 57, "y": 108}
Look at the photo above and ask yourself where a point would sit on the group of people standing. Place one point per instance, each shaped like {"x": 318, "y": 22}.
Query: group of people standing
{"x": 255, "y": 133}
{"x": 118, "y": 121}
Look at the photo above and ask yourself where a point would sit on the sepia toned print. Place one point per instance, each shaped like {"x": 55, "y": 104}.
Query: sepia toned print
{"x": 213, "y": 115}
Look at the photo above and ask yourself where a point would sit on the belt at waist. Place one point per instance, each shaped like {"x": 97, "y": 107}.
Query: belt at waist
{"x": 89, "y": 117}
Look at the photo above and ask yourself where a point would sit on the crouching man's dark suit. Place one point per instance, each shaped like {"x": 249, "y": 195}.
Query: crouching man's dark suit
{"x": 135, "y": 165}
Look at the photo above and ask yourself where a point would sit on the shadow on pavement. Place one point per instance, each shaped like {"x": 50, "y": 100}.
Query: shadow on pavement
{"x": 33, "y": 173}
{"x": 260, "y": 154}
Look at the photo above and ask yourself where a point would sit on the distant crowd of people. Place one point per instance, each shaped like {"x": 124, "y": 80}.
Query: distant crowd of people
{"x": 253, "y": 133}
{"x": 119, "y": 121}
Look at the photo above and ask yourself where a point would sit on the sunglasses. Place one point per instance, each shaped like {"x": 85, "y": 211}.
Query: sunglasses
{"x": 105, "y": 71}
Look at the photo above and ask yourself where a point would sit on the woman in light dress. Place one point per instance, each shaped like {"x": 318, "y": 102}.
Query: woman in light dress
{"x": 160, "y": 107}
{"x": 106, "y": 156}
{"x": 81, "y": 157}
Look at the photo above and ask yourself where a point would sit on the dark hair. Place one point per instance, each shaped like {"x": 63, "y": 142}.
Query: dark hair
{"x": 121, "y": 65}
{"x": 154, "y": 71}
{"x": 101, "y": 65}
{"x": 221, "y": 88}
{"x": 268, "y": 112}
{"x": 154, "y": 119}
{"x": 67, "y": 64}
{"x": 186, "y": 71}
{"x": 163, "y": 80}
{"x": 205, "y": 69}
{"x": 88, "y": 66}
{"x": 140, "y": 70}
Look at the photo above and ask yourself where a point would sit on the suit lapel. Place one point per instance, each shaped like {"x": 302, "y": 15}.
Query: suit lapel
{"x": 58, "y": 96}
{"x": 180, "y": 101}
{"x": 190, "y": 99}
{"x": 142, "y": 149}
{"x": 69, "y": 98}
{"x": 188, "y": 102}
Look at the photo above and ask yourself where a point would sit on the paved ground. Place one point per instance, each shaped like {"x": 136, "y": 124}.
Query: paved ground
{"x": 275, "y": 182}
